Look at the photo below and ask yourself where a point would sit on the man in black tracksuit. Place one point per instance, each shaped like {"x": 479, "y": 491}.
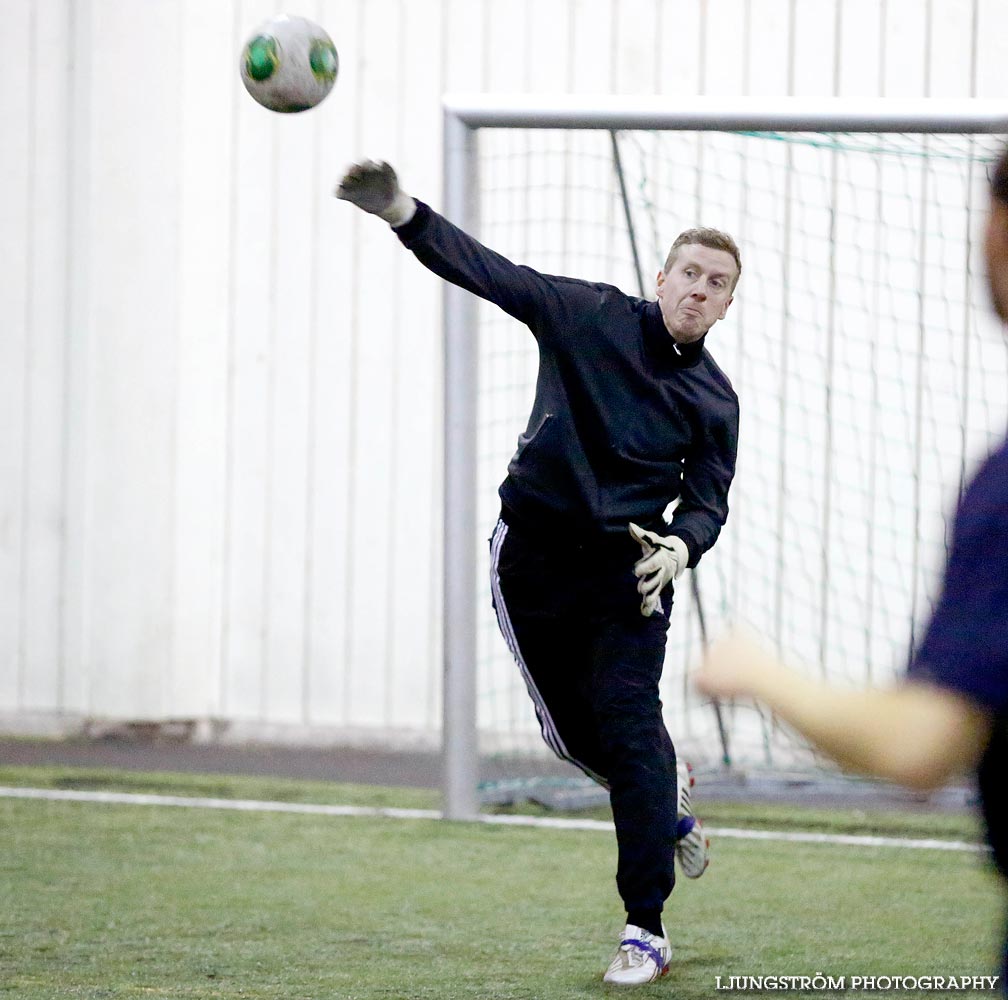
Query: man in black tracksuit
{"x": 630, "y": 414}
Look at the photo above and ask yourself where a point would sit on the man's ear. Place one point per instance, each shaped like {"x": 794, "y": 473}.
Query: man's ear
{"x": 724, "y": 310}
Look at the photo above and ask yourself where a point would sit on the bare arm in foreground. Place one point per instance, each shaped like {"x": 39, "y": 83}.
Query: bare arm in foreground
{"x": 916, "y": 734}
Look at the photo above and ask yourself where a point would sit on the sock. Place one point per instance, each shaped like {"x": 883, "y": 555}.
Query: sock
{"x": 650, "y": 920}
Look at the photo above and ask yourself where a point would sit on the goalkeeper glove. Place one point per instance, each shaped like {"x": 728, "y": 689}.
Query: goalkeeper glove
{"x": 374, "y": 187}
{"x": 664, "y": 559}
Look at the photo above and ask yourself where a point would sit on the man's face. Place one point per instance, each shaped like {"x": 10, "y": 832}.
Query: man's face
{"x": 996, "y": 252}
{"x": 696, "y": 291}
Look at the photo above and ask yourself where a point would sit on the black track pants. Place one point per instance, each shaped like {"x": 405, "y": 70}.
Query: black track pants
{"x": 591, "y": 662}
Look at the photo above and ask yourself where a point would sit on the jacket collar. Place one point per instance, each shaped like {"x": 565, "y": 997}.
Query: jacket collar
{"x": 662, "y": 348}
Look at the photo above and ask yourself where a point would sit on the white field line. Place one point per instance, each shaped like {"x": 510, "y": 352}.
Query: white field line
{"x": 305, "y": 808}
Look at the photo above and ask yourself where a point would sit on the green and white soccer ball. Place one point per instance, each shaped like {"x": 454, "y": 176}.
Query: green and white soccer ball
{"x": 289, "y": 64}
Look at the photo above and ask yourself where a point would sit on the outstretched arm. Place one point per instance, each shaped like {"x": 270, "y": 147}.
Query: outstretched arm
{"x": 916, "y": 734}
{"x": 449, "y": 252}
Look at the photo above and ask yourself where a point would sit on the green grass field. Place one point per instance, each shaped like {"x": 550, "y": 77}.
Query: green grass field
{"x": 147, "y": 901}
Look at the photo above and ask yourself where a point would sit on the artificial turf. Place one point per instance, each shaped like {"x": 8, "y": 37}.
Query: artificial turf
{"x": 101, "y": 900}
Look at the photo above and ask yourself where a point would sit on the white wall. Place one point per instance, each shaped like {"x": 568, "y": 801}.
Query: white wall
{"x": 220, "y": 389}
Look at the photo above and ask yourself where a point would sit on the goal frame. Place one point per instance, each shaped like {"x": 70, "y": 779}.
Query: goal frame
{"x": 464, "y": 116}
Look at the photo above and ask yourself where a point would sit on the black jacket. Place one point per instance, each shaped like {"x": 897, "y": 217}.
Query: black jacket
{"x": 624, "y": 420}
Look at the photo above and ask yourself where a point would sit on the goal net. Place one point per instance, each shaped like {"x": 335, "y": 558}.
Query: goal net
{"x": 869, "y": 368}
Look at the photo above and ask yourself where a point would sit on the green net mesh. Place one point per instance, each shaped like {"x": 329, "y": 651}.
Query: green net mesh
{"x": 870, "y": 370}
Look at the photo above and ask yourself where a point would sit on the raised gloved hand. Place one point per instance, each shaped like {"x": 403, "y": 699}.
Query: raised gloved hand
{"x": 664, "y": 559}
{"x": 374, "y": 187}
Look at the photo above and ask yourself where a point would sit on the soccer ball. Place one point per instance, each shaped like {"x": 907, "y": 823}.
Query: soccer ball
{"x": 289, "y": 64}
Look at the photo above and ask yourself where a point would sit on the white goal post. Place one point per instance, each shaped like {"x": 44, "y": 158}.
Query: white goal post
{"x": 466, "y": 117}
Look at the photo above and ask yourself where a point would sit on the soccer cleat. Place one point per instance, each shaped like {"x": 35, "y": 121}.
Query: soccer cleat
{"x": 692, "y": 847}
{"x": 642, "y": 957}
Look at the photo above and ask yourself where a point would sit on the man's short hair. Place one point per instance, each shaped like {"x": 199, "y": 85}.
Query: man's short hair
{"x": 713, "y": 239}
{"x": 999, "y": 178}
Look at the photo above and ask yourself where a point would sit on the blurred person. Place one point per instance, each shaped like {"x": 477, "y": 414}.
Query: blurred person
{"x": 949, "y": 715}
{"x": 630, "y": 414}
